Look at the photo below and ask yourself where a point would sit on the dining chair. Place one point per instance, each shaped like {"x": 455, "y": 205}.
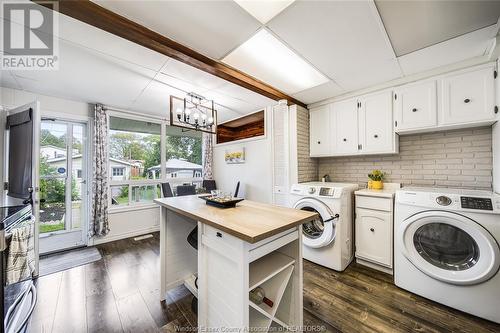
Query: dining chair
{"x": 186, "y": 190}
{"x": 209, "y": 185}
{"x": 166, "y": 190}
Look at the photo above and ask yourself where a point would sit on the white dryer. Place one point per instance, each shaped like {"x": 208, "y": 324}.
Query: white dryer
{"x": 328, "y": 240}
{"x": 446, "y": 248}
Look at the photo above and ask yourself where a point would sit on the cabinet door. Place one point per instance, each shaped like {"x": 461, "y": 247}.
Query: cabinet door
{"x": 346, "y": 127}
{"x": 376, "y": 126}
{"x": 320, "y": 131}
{"x": 468, "y": 97}
{"x": 374, "y": 236}
{"x": 416, "y": 106}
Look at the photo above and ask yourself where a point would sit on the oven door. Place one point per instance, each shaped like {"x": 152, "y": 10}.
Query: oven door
{"x": 449, "y": 247}
{"x": 321, "y": 231}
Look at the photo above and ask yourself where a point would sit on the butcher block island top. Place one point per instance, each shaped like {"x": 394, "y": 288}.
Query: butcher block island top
{"x": 250, "y": 221}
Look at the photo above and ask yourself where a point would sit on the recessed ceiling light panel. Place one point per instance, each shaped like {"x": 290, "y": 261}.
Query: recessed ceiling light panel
{"x": 269, "y": 60}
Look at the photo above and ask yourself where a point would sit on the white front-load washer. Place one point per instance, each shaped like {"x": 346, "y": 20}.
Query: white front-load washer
{"x": 446, "y": 248}
{"x": 328, "y": 240}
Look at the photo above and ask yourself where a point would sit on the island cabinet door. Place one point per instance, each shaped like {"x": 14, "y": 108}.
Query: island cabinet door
{"x": 222, "y": 280}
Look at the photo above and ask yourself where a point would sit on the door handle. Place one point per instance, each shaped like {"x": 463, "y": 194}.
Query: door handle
{"x": 83, "y": 182}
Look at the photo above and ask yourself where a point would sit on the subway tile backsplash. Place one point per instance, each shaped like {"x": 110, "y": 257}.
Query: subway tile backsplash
{"x": 458, "y": 158}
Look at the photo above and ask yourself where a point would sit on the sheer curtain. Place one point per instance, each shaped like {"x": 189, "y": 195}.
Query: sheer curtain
{"x": 99, "y": 225}
{"x": 207, "y": 151}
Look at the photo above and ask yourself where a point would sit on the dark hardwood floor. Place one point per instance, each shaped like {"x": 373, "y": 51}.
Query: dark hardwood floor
{"x": 120, "y": 293}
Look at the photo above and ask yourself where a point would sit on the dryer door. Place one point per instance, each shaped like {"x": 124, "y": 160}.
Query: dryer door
{"x": 449, "y": 247}
{"x": 320, "y": 232}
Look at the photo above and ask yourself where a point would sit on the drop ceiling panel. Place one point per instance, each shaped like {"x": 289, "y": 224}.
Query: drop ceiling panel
{"x": 155, "y": 99}
{"x": 8, "y": 80}
{"x": 413, "y": 25}
{"x": 84, "y": 75}
{"x": 451, "y": 51}
{"x": 93, "y": 38}
{"x": 319, "y": 93}
{"x": 343, "y": 39}
{"x": 194, "y": 76}
{"x": 264, "y": 10}
{"x": 212, "y": 28}
{"x": 246, "y": 95}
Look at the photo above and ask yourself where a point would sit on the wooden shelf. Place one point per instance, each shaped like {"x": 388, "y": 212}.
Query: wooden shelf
{"x": 274, "y": 288}
{"x": 258, "y": 321}
{"x": 267, "y": 267}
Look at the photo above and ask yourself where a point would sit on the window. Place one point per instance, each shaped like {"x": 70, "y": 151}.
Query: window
{"x": 118, "y": 172}
{"x": 135, "y": 154}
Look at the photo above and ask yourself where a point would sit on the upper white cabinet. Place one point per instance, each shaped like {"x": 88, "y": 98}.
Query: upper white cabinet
{"x": 415, "y": 106}
{"x": 468, "y": 96}
{"x": 320, "y": 139}
{"x": 345, "y": 125}
{"x": 370, "y": 124}
{"x": 376, "y": 132}
{"x": 363, "y": 125}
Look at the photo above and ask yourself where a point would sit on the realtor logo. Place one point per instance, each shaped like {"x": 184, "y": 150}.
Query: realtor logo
{"x": 29, "y": 36}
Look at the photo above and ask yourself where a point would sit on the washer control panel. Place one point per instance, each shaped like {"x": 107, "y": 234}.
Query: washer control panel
{"x": 476, "y": 203}
{"x": 327, "y": 191}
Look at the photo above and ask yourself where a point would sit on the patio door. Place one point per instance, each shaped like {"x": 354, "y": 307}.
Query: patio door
{"x": 63, "y": 185}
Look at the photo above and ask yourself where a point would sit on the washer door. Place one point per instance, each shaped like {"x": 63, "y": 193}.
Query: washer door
{"x": 319, "y": 232}
{"x": 450, "y": 247}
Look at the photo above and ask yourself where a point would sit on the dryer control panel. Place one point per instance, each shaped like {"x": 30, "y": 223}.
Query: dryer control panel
{"x": 476, "y": 203}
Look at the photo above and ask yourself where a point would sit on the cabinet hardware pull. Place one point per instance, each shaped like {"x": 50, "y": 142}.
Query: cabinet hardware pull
{"x": 496, "y": 109}
{"x": 372, "y": 230}
{"x": 375, "y": 136}
{"x": 344, "y": 140}
{"x": 396, "y": 123}
{"x": 414, "y": 110}
{"x": 319, "y": 142}
{"x": 219, "y": 234}
{"x": 466, "y": 100}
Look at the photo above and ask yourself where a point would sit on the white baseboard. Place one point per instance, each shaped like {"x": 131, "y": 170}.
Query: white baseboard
{"x": 138, "y": 232}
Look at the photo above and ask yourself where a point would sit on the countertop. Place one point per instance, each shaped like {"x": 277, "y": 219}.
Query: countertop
{"x": 250, "y": 221}
{"x": 388, "y": 191}
{"x": 384, "y": 193}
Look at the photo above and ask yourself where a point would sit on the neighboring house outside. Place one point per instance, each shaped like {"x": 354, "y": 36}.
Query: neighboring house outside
{"x": 177, "y": 168}
{"x": 50, "y": 152}
{"x": 118, "y": 170}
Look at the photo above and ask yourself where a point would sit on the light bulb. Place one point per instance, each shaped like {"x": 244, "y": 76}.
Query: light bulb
{"x": 187, "y": 112}
{"x": 203, "y": 116}
{"x": 178, "y": 111}
{"x": 196, "y": 116}
{"x": 210, "y": 120}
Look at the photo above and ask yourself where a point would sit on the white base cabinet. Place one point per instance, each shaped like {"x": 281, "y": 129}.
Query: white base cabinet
{"x": 374, "y": 229}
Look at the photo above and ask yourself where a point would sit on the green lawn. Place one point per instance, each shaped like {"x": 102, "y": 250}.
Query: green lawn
{"x": 51, "y": 227}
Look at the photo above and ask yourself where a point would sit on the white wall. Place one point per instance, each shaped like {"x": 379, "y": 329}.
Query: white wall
{"x": 123, "y": 223}
{"x": 255, "y": 174}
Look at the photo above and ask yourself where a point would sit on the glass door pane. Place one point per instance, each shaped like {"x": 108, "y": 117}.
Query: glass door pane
{"x": 63, "y": 185}
{"x": 53, "y": 176}
{"x": 78, "y": 175}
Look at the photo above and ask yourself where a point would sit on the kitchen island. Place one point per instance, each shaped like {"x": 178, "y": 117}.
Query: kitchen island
{"x": 238, "y": 249}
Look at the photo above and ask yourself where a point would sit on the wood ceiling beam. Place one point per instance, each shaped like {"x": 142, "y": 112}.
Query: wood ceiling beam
{"x": 102, "y": 18}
